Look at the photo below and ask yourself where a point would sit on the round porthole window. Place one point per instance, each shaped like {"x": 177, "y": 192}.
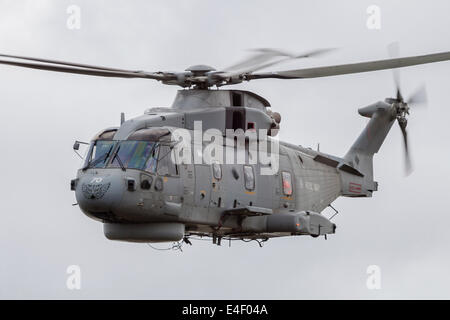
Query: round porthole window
{"x": 159, "y": 184}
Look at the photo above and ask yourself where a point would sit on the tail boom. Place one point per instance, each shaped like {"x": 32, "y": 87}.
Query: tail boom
{"x": 357, "y": 180}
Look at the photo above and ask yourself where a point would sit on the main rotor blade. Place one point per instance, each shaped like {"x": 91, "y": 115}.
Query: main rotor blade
{"x": 262, "y": 56}
{"x": 64, "y": 63}
{"x": 307, "y": 54}
{"x": 67, "y": 67}
{"x": 329, "y": 71}
{"x": 263, "y": 59}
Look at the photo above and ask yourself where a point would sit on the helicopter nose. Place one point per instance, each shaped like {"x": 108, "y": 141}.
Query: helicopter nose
{"x": 99, "y": 195}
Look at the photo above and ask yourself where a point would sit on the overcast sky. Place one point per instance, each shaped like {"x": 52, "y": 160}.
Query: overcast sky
{"x": 403, "y": 229}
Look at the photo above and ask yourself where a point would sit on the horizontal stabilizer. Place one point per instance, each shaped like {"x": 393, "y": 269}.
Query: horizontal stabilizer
{"x": 351, "y": 170}
{"x": 327, "y": 161}
{"x": 335, "y": 164}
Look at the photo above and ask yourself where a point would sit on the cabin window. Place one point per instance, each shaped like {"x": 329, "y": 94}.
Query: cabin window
{"x": 217, "y": 171}
{"x": 287, "y": 183}
{"x": 249, "y": 178}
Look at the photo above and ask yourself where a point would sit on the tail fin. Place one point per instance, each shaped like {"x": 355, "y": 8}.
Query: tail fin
{"x": 360, "y": 155}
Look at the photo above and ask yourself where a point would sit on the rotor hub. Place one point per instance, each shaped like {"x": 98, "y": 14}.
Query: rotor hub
{"x": 200, "y": 69}
{"x": 402, "y": 109}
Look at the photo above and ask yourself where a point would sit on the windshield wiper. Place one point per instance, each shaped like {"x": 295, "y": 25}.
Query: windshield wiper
{"x": 116, "y": 156}
{"x": 98, "y": 160}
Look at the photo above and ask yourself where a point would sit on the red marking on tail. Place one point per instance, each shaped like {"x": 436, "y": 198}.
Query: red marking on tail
{"x": 354, "y": 187}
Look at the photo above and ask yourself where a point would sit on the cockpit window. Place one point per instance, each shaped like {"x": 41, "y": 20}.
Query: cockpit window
{"x": 165, "y": 164}
{"x": 136, "y": 155}
{"x": 151, "y": 134}
{"x": 142, "y": 155}
{"x": 99, "y": 153}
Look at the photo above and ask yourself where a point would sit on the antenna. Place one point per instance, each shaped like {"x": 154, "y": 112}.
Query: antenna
{"x": 122, "y": 118}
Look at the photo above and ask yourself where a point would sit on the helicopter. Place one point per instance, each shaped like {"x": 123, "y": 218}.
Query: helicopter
{"x": 211, "y": 164}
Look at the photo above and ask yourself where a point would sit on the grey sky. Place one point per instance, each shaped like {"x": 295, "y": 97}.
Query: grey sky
{"x": 403, "y": 229}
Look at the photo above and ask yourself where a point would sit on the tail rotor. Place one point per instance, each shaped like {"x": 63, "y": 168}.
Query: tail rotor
{"x": 402, "y": 106}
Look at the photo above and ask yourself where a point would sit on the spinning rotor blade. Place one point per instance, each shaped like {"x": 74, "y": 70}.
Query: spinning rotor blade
{"x": 408, "y": 166}
{"x": 419, "y": 97}
{"x": 75, "y": 68}
{"x": 263, "y": 59}
{"x": 351, "y": 68}
{"x": 401, "y": 106}
{"x": 394, "y": 53}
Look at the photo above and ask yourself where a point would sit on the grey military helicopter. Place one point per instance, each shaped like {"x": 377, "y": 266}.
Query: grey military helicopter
{"x": 131, "y": 182}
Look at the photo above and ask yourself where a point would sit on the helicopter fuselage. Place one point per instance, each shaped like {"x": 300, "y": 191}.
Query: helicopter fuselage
{"x": 165, "y": 201}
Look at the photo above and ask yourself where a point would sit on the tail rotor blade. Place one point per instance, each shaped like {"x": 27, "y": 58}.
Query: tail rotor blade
{"x": 419, "y": 97}
{"x": 408, "y": 166}
{"x": 394, "y": 52}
